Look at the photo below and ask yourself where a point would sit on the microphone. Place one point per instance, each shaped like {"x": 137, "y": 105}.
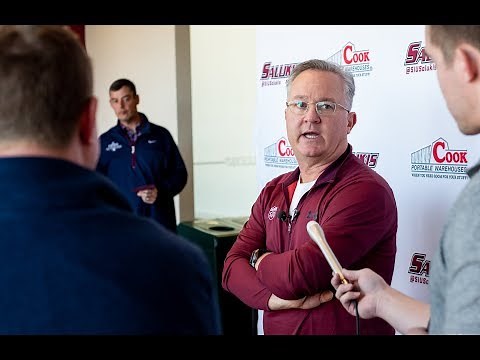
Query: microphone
{"x": 282, "y": 215}
{"x": 318, "y": 236}
{"x": 295, "y": 214}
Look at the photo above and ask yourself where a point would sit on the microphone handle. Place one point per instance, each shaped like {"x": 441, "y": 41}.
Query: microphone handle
{"x": 318, "y": 236}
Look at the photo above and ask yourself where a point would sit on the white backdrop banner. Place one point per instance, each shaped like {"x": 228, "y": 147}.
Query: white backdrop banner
{"x": 404, "y": 130}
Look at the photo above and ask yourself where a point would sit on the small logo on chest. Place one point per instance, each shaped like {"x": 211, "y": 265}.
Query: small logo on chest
{"x": 272, "y": 212}
{"x": 113, "y": 146}
{"x": 312, "y": 215}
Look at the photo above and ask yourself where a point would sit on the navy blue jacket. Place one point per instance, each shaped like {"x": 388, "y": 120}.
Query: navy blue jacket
{"x": 75, "y": 259}
{"x": 153, "y": 159}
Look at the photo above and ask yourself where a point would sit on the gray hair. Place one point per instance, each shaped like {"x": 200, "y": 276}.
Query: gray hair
{"x": 323, "y": 65}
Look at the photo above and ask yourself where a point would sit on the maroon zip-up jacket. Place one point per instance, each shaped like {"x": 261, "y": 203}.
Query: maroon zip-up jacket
{"x": 355, "y": 207}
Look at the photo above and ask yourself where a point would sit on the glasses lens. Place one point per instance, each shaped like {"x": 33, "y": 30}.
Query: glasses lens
{"x": 325, "y": 107}
{"x": 299, "y": 107}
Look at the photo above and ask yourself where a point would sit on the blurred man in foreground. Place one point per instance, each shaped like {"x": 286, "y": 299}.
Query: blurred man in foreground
{"x": 74, "y": 259}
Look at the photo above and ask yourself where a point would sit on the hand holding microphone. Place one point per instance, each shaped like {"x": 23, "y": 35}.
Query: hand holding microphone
{"x": 316, "y": 233}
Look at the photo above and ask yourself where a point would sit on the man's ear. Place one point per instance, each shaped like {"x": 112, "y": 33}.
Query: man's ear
{"x": 88, "y": 122}
{"x": 352, "y": 120}
{"x": 466, "y": 60}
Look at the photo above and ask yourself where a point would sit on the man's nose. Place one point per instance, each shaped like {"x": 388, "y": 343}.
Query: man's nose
{"x": 311, "y": 114}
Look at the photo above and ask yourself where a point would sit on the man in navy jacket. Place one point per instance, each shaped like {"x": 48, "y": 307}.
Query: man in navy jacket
{"x": 74, "y": 258}
{"x": 141, "y": 158}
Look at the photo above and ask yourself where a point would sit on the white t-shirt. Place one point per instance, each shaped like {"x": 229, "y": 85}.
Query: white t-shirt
{"x": 300, "y": 190}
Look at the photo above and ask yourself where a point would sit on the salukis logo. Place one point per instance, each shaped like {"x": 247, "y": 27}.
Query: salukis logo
{"x": 273, "y": 74}
{"x": 368, "y": 158}
{"x": 419, "y": 268}
{"x": 417, "y": 60}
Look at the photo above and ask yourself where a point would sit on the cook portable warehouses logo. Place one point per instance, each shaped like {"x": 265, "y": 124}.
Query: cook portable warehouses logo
{"x": 357, "y": 62}
{"x": 438, "y": 161}
{"x": 417, "y": 60}
{"x": 280, "y": 154}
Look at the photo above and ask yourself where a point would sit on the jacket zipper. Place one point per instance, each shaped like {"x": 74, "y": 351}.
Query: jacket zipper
{"x": 291, "y": 219}
{"x": 134, "y": 156}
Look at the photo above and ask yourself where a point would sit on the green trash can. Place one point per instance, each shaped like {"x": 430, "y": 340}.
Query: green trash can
{"x": 216, "y": 237}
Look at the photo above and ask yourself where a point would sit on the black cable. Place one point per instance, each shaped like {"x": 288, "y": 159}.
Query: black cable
{"x": 357, "y": 316}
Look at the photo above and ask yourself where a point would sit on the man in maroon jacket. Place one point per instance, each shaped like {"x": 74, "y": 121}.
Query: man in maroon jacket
{"x": 274, "y": 265}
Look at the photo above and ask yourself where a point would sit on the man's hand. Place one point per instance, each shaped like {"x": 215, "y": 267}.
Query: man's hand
{"x": 365, "y": 286}
{"x": 305, "y": 303}
{"x": 149, "y": 195}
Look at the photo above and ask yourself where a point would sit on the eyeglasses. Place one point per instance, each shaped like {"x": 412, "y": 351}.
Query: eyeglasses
{"x": 300, "y": 107}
